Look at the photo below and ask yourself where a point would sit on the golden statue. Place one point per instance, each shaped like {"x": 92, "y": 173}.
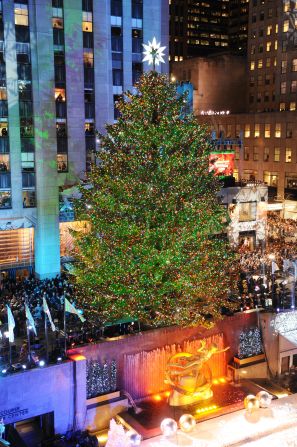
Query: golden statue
{"x": 189, "y": 376}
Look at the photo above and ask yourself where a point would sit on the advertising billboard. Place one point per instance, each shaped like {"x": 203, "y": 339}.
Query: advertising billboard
{"x": 222, "y": 163}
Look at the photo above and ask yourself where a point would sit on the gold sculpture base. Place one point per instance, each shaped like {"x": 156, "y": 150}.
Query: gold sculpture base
{"x": 177, "y": 399}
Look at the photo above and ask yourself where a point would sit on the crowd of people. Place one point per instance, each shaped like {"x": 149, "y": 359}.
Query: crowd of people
{"x": 31, "y": 291}
{"x": 267, "y": 272}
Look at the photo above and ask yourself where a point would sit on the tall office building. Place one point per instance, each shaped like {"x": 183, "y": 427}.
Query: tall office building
{"x": 203, "y": 27}
{"x": 63, "y": 64}
{"x": 268, "y": 117}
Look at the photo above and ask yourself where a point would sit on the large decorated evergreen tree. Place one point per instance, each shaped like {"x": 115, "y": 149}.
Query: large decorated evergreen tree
{"x": 154, "y": 251}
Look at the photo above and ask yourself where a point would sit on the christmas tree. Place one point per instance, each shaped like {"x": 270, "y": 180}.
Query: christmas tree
{"x": 154, "y": 250}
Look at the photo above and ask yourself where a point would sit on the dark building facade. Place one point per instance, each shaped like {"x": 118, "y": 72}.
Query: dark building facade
{"x": 199, "y": 28}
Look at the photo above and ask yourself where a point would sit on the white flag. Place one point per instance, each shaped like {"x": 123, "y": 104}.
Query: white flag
{"x": 47, "y": 312}
{"x": 11, "y": 325}
{"x": 71, "y": 309}
{"x": 30, "y": 318}
{"x": 274, "y": 267}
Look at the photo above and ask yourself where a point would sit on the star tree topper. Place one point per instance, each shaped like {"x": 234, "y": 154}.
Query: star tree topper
{"x": 153, "y": 53}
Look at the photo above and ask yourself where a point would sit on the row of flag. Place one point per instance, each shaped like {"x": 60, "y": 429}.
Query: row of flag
{"x": 11, "y": 323}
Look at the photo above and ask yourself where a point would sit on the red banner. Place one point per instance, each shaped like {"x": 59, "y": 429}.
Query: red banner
{"x": 221, "y": 163}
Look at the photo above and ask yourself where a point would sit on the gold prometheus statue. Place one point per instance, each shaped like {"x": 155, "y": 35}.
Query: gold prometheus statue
{"x": 189, "y": 375}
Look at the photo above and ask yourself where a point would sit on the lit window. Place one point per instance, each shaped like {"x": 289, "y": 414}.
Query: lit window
{"x": 247, "y": 131}
{"x": 283, "y": 87}
{"x": 60, "y": 94}
{"x": 278, "y": 130}
{"x": 5, "y": 199}
{"x": 288, "y": 155}
{"x": 268, "y": 62}
{"x": 88, "y": 58}
{"x": 267, "y": 130}
{"x": 269, "y": 30}
{"x": 29, "y": 200}
{"x": 276, "y": 28}
{"x": 260, "y": 63}
{"x": 294, "y": 65}
{"x": 257, "y": 131}
{"x": 286, "y": 26}
{"x": 282, "y": 106}
{"x": 292, "y": 106}
{"x": 89, "y": 127}
{"x": 21, "y": 14}
{"x": 268, "y": 46}
{"x": 276, "y": 154}
{"x": 286, "y": 5}
{"x": 3, "y": 129}
{"x": 275, "y": 44}
{"x": 87, "y": 24}
{"x": 253, "y": 65}
{"x": 3, "y": 93}
{"x": 62, "y": 162}
{"x": 294, "y": 86}
{"x": 57, "y": 23}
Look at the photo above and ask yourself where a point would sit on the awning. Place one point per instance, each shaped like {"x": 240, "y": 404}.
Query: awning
{"x": 121, "y": 321}
{"x": 288, "y": 341}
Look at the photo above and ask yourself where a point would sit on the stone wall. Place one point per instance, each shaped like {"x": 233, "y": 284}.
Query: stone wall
{"x": 60, "y": 389}
{"x": 158, "y": 338}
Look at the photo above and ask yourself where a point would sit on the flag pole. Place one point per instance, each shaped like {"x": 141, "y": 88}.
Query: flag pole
{"x": 28, "y": 337}
{"x": 65, "y": 341}
{"x": 10, "y": 354}
{"x": 29, "y": 342}
{"x": 46, "y": 336}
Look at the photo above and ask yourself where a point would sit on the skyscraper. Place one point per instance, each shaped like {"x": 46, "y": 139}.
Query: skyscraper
{"x": 63, "y": 65}
{"x": 199, "y": 28}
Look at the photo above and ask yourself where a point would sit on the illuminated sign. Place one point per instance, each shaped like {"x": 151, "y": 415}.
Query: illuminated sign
{"x": 221, "y": 163}
{"x": 215, "y": 112}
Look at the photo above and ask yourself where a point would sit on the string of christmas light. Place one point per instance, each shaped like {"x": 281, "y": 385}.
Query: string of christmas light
{"x": 250, "y": 343}
{"x": 101, "y": 379}
{"x": 154, "y": 250}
